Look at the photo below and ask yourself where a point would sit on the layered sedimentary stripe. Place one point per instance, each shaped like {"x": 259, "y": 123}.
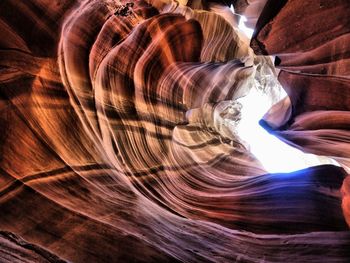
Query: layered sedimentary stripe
{"x": 113, "y": 147}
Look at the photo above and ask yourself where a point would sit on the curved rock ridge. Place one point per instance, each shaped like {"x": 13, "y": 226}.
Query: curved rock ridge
{"x": 15, "y": 249}
{"x": 313, "y": 55}
{"x": 118, "y": 141}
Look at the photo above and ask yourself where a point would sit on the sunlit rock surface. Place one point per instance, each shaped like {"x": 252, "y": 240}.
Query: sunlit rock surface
{"x": 313, "y": 55}
{"x": 118, "y": 131}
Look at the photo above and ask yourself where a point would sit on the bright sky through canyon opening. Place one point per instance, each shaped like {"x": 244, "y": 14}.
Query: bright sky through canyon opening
{"x": 275, "y": 155}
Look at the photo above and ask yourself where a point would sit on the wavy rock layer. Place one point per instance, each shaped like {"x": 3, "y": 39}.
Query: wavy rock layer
{"x": 313, "y": 55}
{"x": 115, "y": 148}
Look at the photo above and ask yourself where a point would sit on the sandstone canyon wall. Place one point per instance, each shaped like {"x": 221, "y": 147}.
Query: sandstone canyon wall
{"x": 113, "y": 143}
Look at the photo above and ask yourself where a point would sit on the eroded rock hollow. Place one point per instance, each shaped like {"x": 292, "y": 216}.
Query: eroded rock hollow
{"x": 119, "y": 129}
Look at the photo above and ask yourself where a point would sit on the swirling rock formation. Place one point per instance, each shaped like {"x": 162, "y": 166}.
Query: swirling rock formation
{"x": 118, "y": 138}
{"x": 314, "y": 63}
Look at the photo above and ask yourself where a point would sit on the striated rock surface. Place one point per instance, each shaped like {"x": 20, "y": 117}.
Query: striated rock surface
{"x": 312, "y": 50}
{"x": 117, "y": 140}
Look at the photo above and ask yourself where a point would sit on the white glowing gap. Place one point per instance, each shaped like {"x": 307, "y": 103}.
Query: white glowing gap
{"x": 275, "y": 155}
{"x": 242, "y": 27}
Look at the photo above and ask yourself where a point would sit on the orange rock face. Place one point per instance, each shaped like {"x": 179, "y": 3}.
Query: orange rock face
{"x": 114, "y": 143}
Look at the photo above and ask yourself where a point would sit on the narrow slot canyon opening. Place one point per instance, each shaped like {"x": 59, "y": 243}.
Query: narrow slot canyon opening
{"x": 275, "y": 155}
